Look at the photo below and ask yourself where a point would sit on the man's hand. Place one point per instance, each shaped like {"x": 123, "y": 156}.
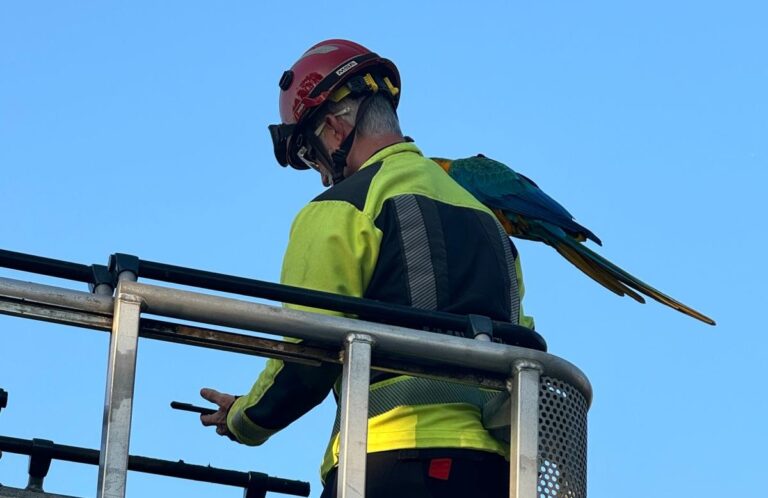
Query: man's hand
{"x": 219, "y": 419}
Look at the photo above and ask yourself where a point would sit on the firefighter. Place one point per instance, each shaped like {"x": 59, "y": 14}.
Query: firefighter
{"x": 393, "y": 227}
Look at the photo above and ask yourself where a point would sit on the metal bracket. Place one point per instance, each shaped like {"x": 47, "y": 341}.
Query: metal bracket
{"x": 102, "y": 280}
{"x": 124, "y": 266}
{"x": 3, "y": 404}
{"x": 39, "y": 463}
{"x": 257, "y": 485}
{"x": 480, "y": 327}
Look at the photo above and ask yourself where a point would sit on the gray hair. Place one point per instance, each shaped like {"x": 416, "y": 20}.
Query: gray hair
{"x": 379, "y": 119}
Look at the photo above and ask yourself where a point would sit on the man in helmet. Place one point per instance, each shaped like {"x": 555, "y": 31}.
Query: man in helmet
{"x": 393, "y": 227}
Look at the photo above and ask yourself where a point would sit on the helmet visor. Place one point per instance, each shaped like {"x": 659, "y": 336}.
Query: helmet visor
{"x": 291, "y": 147}
{"x": 281, "y": 137}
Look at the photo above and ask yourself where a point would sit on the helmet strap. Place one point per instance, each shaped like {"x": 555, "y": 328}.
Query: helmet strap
{"x": 339, "y": 156}
{"x": 320, "y": 152}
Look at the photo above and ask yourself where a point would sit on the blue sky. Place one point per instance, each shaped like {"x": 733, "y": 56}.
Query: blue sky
{"x": 141, "y": 128}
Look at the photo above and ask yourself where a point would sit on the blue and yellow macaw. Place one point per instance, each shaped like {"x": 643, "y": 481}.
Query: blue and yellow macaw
{"x": 527, "y": 212}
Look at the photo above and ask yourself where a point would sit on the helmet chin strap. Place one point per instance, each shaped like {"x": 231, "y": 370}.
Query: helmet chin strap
{"x": 339, "y": 156}
{"x": 325, "y": 165}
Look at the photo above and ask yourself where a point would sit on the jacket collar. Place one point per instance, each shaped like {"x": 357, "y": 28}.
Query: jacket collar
{"x": 391, "y": 150}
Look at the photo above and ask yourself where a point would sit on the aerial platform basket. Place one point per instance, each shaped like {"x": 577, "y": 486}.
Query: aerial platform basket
{"x": 541, "y": 409}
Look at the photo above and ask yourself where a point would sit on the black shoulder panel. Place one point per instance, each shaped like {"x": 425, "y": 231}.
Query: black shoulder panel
{"x": 464, "y": 251}
{"x": 354, "y": 189}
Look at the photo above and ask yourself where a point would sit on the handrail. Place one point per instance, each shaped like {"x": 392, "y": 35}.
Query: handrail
{"x": 252, "y": 481}
{"x": 438, "y": 357}
{"x": 419, "y": 347}
{"x": 45, "y": 266}
{"x": 528, "y": 375}
{"x": 366, "y": 309}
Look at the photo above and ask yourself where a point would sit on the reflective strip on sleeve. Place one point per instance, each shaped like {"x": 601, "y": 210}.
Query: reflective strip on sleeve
{"x": 418, "y": 259}
{"x": 514, "y": 290}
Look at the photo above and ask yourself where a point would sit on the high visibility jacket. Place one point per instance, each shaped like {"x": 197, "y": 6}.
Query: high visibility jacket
{"x": 399, "y": 230}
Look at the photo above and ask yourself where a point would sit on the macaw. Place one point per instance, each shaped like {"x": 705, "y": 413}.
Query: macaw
{"x": 526, "y": 212}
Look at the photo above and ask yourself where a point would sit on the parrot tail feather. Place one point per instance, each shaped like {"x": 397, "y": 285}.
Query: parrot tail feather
{"x": 631, "y": 281}
{"x": 598, "y": 274}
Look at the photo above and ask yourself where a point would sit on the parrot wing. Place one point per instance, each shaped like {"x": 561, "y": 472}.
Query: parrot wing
{"x": 527, "y": 212}
{"x": 499, "y": 187}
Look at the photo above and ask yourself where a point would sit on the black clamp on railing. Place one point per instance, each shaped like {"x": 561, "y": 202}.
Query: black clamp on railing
{"x": 257, "y": 485}
{"x": 3, "y": 404}
{"x": 124, "y": 267}
{"x": 39, "y": 463}
{"x": 102, "y": 281}
{"x": 480, "y": 327}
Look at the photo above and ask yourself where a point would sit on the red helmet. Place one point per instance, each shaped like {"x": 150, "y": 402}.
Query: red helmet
{"x": 319, "y": 74}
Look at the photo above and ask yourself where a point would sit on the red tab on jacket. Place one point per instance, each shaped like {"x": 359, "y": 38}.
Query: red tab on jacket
{"x": 440, "y": 468}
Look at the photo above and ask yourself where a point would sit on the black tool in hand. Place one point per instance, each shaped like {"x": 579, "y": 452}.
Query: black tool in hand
{"x": 188, "y": 407}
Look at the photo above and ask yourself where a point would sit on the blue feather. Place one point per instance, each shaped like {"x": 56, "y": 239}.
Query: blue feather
{"x": 532, "y": 214}
{"x": 500, "y": 187}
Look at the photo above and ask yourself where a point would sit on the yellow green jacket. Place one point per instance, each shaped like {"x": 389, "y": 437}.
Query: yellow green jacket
{"x": 402, "y": 231}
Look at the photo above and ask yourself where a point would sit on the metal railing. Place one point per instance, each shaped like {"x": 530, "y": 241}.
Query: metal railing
{"x": 41, "y": 452}
{"x": 543, "y": 417}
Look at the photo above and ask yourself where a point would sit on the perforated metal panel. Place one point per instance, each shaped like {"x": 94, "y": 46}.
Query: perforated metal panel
{"x": 562, "y": 440}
